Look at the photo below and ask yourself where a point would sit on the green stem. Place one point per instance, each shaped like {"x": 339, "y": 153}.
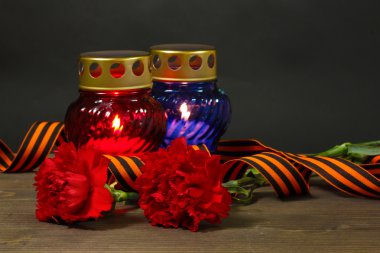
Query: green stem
{"x": 122, "y": 196}
{"x": 240, "y": 182}
{"x": 242, "y": 189}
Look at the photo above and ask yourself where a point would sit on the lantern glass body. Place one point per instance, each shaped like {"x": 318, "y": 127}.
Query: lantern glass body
{"x": 116, "y": 122}
{"x": 199, "y": 111}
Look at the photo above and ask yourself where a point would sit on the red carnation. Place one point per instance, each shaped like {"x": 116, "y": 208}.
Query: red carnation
{"x": 70, "y": 186}
{"x": 181, "y": 187}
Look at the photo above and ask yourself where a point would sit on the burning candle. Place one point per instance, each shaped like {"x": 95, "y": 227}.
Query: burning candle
{"x": 114, "y": 111}
{"x": 184, "y": 82}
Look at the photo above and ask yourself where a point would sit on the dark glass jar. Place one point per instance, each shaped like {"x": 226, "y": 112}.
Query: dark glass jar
{"x": 184, "y": 82}
{"x": 115, "y": 113}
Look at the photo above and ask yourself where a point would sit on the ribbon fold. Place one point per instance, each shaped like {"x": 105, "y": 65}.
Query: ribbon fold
{"x": 287, "y": 173}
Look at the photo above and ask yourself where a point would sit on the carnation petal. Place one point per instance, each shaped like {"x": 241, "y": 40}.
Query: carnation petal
{"x": 195, "y": 192}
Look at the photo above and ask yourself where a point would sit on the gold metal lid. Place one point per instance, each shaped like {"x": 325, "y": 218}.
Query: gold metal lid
{"x": 114, "y": 70}
{"x": 183, "y": 62}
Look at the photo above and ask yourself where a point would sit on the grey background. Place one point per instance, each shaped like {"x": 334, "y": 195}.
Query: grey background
{"x": 302, "y": 75}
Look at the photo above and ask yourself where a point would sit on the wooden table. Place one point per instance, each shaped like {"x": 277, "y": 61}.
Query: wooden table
{"x": 326, "y": 222}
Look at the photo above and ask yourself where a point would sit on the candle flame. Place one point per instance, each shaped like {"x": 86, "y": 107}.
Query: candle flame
{"x": 117, "y": 127}
{"x": 185, "y": 113}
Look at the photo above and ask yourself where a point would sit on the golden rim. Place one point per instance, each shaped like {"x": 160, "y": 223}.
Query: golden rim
{"x": 183, "y": 62}
{"x": 114, "y": 70}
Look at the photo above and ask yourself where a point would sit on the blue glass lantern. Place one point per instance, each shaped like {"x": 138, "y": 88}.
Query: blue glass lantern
{"x": 184, "y": 82}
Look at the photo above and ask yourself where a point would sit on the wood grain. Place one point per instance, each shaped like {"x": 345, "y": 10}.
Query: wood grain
{"x": 326, "y": 222}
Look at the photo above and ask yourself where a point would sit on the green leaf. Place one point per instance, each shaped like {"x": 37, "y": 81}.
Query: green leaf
{"x": 358, "y": 153}
{"x": 336, "y": 151}
{"x": 363, "y": 150}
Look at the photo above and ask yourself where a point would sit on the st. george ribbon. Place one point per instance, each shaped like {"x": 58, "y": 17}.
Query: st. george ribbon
{"x": 287, "y": 173}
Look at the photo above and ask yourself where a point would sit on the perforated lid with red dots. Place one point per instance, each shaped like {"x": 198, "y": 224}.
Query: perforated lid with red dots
{"x": 114, "y": 70}
{"x": 183, "y": 62}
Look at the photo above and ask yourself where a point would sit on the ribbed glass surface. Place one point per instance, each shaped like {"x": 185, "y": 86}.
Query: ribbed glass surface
{"x": 122, "y": 122}
{"x": 198, "y": 111}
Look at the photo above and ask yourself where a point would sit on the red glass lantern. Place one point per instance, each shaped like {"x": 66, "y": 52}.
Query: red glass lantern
{"x": 114, "y": 111}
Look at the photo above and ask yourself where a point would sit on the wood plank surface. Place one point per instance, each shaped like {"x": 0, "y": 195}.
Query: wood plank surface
{"x": 326, "y": 222}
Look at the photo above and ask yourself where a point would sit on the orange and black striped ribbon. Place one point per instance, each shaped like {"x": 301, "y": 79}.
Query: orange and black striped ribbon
{"x": 287, "y": 173}
{"x": 36, "y": 146}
